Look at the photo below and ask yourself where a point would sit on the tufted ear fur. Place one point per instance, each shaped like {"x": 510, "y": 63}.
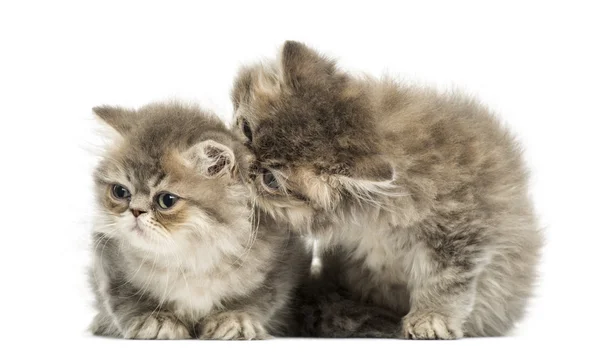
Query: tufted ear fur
{"x": 120, "y": 119}
{"x": 255, "y": 81}
{"x": 242, "y": 87}
{"x": 211, "y": 158}
{"x": 299, "y": 66}
{"x": 302, "y": 65}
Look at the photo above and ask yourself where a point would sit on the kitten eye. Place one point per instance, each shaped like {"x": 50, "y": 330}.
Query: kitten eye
{"x": 120, "y": 192}
{"x": 246, "y": 129}
{"x": 166, "y": 200}
{"x": 269, "y": 180}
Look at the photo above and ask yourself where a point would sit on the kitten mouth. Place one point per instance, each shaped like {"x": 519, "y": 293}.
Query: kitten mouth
{"x": 136, "y": 229}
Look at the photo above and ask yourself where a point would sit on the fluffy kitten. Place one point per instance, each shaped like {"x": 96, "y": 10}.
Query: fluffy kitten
{"x": 177, "y": 248}
{"x": 423, "y": 195}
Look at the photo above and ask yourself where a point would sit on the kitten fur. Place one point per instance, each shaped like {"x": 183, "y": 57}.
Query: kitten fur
{"x": 328, "y": 310}
{"x": 423, "y": 196}
{"x": 202, "y": 268}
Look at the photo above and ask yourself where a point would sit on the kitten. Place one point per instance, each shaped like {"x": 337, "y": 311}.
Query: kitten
{"x": 177, "y": 248}
{"x": 423, "y": 195}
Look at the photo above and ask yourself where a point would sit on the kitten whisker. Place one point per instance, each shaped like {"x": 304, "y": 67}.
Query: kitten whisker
{"x": 254, "y": 218}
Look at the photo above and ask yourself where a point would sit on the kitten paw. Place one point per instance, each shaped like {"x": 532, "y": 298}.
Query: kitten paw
{"x": 233, "y": 326}
{"x": 157, "y": 326}
{"x": 429, "y": 326}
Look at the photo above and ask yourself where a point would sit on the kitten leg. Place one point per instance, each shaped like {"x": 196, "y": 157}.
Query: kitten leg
{"x": 442, "y": 288}
{"x": 138, "y": 319}
{"x": 126, "y": 313}
{"x": 233, "y": 325}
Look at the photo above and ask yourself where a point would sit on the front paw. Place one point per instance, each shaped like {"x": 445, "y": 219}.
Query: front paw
{"x": 233, "y": 326}
{"x": 161, "y": 326}
{"x": 430, "y": 325}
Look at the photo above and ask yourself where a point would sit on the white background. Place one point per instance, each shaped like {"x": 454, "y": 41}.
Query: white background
{"x": 536, "y": 64}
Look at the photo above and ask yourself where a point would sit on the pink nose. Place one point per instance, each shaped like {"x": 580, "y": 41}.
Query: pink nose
{"x": 136, "y": 213}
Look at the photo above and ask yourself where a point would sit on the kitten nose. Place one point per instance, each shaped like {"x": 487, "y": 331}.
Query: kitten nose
{"x": 136, "y": 213}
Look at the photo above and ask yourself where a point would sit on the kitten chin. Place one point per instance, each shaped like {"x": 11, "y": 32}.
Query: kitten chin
{"x": 178, "y": 250}
{"x": 423, "y": 194}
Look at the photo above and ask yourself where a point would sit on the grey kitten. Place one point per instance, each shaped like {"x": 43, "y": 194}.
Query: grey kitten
{"x": 178, "y": 252}
{"x": 424, "y": 195}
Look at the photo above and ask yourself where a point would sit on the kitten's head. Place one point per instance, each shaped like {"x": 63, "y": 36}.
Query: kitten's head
{"x": 310, "y": 127}
{"x": 170, "y": 180}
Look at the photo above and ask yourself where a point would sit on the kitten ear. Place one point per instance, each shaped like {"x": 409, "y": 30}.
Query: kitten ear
{"x": 122, "y": 120}
{"x": 242, "y": 87}
{"x": 302, "y": 65}
{"x": 211, "y": 158}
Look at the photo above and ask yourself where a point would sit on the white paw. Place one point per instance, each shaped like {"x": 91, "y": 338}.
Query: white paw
{"x": 233, "y": 326}
{"x": 428, "y": 325}
{"x": 157, "y": 326}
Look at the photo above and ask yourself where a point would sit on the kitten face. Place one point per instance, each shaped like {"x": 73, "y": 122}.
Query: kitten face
{"x": 168, "y": 185}
{"x": 312, "y": 135}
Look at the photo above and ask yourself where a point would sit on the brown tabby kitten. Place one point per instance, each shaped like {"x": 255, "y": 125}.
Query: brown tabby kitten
{"x": 423, "y": 195}
{"x": 179, "y": 251}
